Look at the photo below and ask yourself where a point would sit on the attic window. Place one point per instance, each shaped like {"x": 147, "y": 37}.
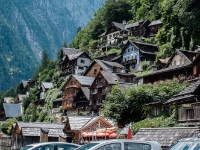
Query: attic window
{"x": 95, "y": 71}
{"x": 82, "y": 61}
{"x": 174, "y": 62}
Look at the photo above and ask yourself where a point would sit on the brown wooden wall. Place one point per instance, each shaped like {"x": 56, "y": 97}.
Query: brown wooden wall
{"x": 70, "y": 90}
{"x": 91, "y": 72}
{"x": 189, "y": 114}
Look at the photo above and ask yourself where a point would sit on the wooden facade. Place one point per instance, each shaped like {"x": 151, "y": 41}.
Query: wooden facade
{"x": 154, "y": 26}
{"x": 100, "y": 88}
{"x": 100, "y": 65}
{"x": 139, "y": 28}
{"x": 70, "y": 90}
{"x": 77, "y": 125}
{"x": 24, "y": 133}
{"x": 181, "y": 63}
{"x": 75, "y": 63}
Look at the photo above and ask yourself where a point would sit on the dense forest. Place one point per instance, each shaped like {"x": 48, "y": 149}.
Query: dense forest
{"x": 180, "y": 22}
{"x": 27, "y": 27}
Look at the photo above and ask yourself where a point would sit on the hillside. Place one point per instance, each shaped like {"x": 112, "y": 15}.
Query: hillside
{"x": 27, "y": 27}
{"x": 180, "y": 22}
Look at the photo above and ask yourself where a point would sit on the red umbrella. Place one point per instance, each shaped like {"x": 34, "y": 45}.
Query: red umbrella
{"x": 113, "y": 136}
{"x": 129, "y": 136}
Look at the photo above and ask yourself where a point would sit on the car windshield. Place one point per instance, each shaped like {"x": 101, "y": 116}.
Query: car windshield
{"x": 26, "y": 147}
{"x": 185, "y": 146}
{"x": 87, "y": 147}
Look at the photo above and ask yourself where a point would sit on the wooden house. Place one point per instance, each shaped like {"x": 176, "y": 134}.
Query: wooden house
{"x": 115, "y": 35}
{"x": 139, "y": 28}
{"x": 181, "y": 63}
{"x": 25, "y": 86}
{"x": 160, "y": 64}
{"x": 100, "y": 65}
{"x": 74, "y": 63}
{"x": 20, "y": 98}
{"x": 24, "y": 133}
{"x": 42, "y": 89}
{"x": 165, "y": 136}
{"x": 107, "y": 57}
{"x": 101, "y": 86}
{"x": 70, "y": 90}
{"x": 188, "y": 102}
{"x": 134, "y": 52}
{"x": 154, "y": 27}
{"x": 77, "y": 125}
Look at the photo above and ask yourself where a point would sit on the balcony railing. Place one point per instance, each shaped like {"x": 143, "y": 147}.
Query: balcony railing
{"x": 132, "y": 61}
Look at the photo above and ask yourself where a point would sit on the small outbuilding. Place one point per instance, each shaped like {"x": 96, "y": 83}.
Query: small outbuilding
{"x": 165, "y": 136}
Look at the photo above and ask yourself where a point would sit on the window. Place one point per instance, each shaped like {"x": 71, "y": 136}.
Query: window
{"x": 99, "y": 101}
{"x": 82, "y": 61}
{"x": 113, "y": 146}
{"x": 152, "y": 27}
{"x": 180, "y": 61}
{"x": 132, "y": 49}
{"x": 95, "y": 71}
{"x": 128, "y": 50}
{"x": 174, "y": 62}
{"x": 95, "y": 90}
{"x": 110, "y": 36}
{"x": 140, "y": 31}
{"x": 90, "y": 102}
{"x": 136, "y": 146}
{"x": 96, "y": 81}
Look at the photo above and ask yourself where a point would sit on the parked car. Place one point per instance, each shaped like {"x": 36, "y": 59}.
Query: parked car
{"x": 191, "y": 143}
{"x": 121, "y": 144}
{"x": 51, "y": 146}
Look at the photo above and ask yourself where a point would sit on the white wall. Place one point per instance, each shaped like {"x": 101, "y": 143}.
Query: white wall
{"x": 86, "y": 63}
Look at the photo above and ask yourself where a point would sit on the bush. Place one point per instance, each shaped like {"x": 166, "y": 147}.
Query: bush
{"x": 144, "y": 65}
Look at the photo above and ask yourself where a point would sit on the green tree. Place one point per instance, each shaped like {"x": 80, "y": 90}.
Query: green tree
{"x": 6, "y": 126}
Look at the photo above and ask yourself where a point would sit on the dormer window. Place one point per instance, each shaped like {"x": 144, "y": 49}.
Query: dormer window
{"x": 174, "y": 62}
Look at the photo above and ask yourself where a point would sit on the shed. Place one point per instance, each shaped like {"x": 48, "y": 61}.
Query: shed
{"x": 165, "y": 136}
{"x": 31, "y": 132}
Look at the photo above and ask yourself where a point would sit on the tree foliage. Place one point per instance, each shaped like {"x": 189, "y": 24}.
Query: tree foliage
{"x": 6, "y": 126}
{"x": 125, "y": 105}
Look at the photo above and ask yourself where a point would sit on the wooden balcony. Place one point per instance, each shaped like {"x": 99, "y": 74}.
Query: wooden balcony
{"x": 94, "y": 107}
{"x": 132, "y": 61}
{"x": 189, "y": 113}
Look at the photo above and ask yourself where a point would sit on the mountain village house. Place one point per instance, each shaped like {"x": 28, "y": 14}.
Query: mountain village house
{"x": 154, "y": 27}
{"x": 72, "y": 86}
{"x": 73, "y": 61}
{"x": 134, "y": 53}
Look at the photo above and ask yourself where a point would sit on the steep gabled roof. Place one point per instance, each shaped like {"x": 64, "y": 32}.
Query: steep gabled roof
{"x": 24, "y": 83}
{"x": 110, "y": 77}
{"x": 188, "y": 92}
{"x": 155, "y": 22}
{"x": 120, "y": 26}
{"x": 47, "y": 85}
{"x": 80, "y": 123}
{"x": 75, "y": 56}
{"x": 70, "y": 51}
{"x": 135, "y": 24}
{"x": 84, "y": 80}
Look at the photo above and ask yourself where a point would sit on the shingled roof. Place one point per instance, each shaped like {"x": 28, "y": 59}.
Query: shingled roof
{"x": 113, "y": 64}
{"x": 33, "y": 128}
{"x": 70, "y": 51}
{"x": 110, "y": 77}
{"x": 13, "y": 110}
{"x": 84, "y": 80}
{"x": 155, "y": 22}
{"x": 164, "y": 136}
{"x": 120, "y": 26}
{"x": 79, "y": 123}
{"x": 47, "y": 85}
{"x": 188, "y": 92}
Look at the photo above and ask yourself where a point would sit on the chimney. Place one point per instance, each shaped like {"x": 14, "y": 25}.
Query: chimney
{"x": 124, "y": 22}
